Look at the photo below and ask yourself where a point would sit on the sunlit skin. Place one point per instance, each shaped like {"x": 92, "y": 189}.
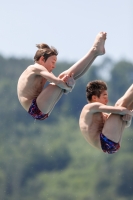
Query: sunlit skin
{"x": 30, "y": 85}
{"x": 97, "y": 117}
{"x": 50, "y": 63}
{"x": 32, "y": 81}
{"x": 102, "y": 99}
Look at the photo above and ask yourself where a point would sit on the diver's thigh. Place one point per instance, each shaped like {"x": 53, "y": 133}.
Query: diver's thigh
{"x": 48, "y": 97}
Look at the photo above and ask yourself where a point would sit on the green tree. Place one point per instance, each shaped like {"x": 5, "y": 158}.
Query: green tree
{"x": 121, "y": 79}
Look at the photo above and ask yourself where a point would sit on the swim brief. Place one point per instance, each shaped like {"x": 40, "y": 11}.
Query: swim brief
{"x": 108, "y": 145}
{"x": 35, "y": 112}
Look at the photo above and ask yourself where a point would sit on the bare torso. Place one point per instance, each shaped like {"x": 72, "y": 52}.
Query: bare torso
{"x": 92, "y": 124}
{"x": 29, "y": 86}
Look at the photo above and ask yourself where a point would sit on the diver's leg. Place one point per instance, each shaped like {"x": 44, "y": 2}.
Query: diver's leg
{"x": 80, "y": 67}
{"x": 48, "y": 98}
{"x": 127, "y": 99}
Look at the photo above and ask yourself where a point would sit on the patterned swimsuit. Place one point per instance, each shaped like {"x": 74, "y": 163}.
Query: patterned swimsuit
{"x": 108, "y": 145}
{"x": 35, "y": 112}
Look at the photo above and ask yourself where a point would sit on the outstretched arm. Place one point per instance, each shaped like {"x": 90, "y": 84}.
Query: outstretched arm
{"x": 42, "y": 71}
{"x": 99, "y": 107}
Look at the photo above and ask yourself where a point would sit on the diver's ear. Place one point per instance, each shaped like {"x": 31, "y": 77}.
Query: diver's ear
{"x": 94, "y": 98}
{"x": 42, "y": 59}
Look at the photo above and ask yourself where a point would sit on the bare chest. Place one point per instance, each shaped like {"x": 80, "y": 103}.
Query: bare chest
{"x": 96, "y": 123}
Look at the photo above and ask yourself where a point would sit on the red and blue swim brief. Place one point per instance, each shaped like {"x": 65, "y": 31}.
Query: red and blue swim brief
{"x": 35, "y": 112}
{"x": 108, "y": 146}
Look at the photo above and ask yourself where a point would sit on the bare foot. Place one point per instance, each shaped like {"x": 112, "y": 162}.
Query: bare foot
{"x": 99, "y": 43}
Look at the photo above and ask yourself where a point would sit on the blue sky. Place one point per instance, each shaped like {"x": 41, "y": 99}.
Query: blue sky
{"x": 69, "y": 25}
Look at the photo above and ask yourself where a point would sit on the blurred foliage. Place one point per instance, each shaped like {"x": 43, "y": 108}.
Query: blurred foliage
{"x": 121, "y": 79}
{"x": 50, "y": 160}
